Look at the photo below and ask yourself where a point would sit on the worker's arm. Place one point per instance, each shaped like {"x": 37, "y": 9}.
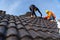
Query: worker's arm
{"x": 45, "y": 17}
{"x": 53, "y": 15}
{"x": 49, "y": 15}
{"x": 39, "y": 12}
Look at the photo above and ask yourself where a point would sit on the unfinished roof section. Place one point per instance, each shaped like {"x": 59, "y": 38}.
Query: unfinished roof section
{"x": 27, "y": 28}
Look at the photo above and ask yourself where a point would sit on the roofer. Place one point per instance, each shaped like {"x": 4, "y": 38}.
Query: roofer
{"x": 50, "y": 15}
{"x": 33, "y": 8}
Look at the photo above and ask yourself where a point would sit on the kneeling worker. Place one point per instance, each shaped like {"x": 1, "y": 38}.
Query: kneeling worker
{"x": 50, "y": 15}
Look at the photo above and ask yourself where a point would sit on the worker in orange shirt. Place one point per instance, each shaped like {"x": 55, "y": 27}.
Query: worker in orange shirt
{"x": 50, "y": 15}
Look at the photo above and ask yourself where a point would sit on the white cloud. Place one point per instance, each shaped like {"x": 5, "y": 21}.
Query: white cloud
{"x": 58, "y": 24}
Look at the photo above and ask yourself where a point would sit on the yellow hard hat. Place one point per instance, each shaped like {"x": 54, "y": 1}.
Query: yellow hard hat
{"x": 46, "y": 11}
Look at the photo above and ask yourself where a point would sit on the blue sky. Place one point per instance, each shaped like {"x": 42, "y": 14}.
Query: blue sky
{"x": 19, "y": 7}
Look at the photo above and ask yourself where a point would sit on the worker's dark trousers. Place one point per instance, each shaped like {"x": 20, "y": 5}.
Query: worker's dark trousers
{"x": 33, "y": 13}
{"x": 52, "y": 18}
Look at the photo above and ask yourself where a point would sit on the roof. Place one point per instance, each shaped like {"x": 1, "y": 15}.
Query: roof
{"x": 27, "y": 28}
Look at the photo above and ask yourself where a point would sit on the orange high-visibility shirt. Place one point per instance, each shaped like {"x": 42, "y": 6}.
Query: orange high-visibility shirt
{"x": 49, "y": 14}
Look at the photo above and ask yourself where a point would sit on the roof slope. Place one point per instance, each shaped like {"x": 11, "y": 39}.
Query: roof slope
{"x": 27, "y": 28}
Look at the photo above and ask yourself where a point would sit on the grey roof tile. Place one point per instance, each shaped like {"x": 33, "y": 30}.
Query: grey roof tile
{"x": 34, "y": 21}
{"x": 16, "y": 19}
{"x": 2, "y": 30}
{"x": 38, "y": 39}
{"x": 28, "y": 27}
{"x": 53, "y": 30}
{"x": 31, "y": 27}
{"x": 34, "y": 34}
{"x": 43, "y": 34}
{"x": 11, "y": 31}
{"x": 29, "y": 21}
{"x": 11, "y": 18}
{"x": 23, "y": 33}
{"x": 3, "y": 24}
{"x": 1, "y": 38}
{"x": 11, "y": 25}
{"x": 18, "y": 22}
{"x": 24, "y": 23}
{"x": 4, "y": 20}
{"x": 12, "y": 38}
{"x": 26, "y": 38}
{"x": 20, "y": 26}
{"x": 11, "y": 21}
{"x": 36, "y": 28}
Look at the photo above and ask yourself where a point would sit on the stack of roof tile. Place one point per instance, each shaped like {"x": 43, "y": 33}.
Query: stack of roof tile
{"x": 27, "y": 28}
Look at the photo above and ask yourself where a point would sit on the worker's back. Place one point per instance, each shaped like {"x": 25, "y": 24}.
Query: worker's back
{"x": 51, "y": 14}
{"x": 33, "y": 7}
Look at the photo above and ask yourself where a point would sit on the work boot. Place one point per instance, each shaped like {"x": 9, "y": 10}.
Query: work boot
{"x": 53, "y": 20}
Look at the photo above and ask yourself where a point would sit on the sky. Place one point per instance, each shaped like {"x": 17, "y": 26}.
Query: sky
{"x": 20, "y": 7}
